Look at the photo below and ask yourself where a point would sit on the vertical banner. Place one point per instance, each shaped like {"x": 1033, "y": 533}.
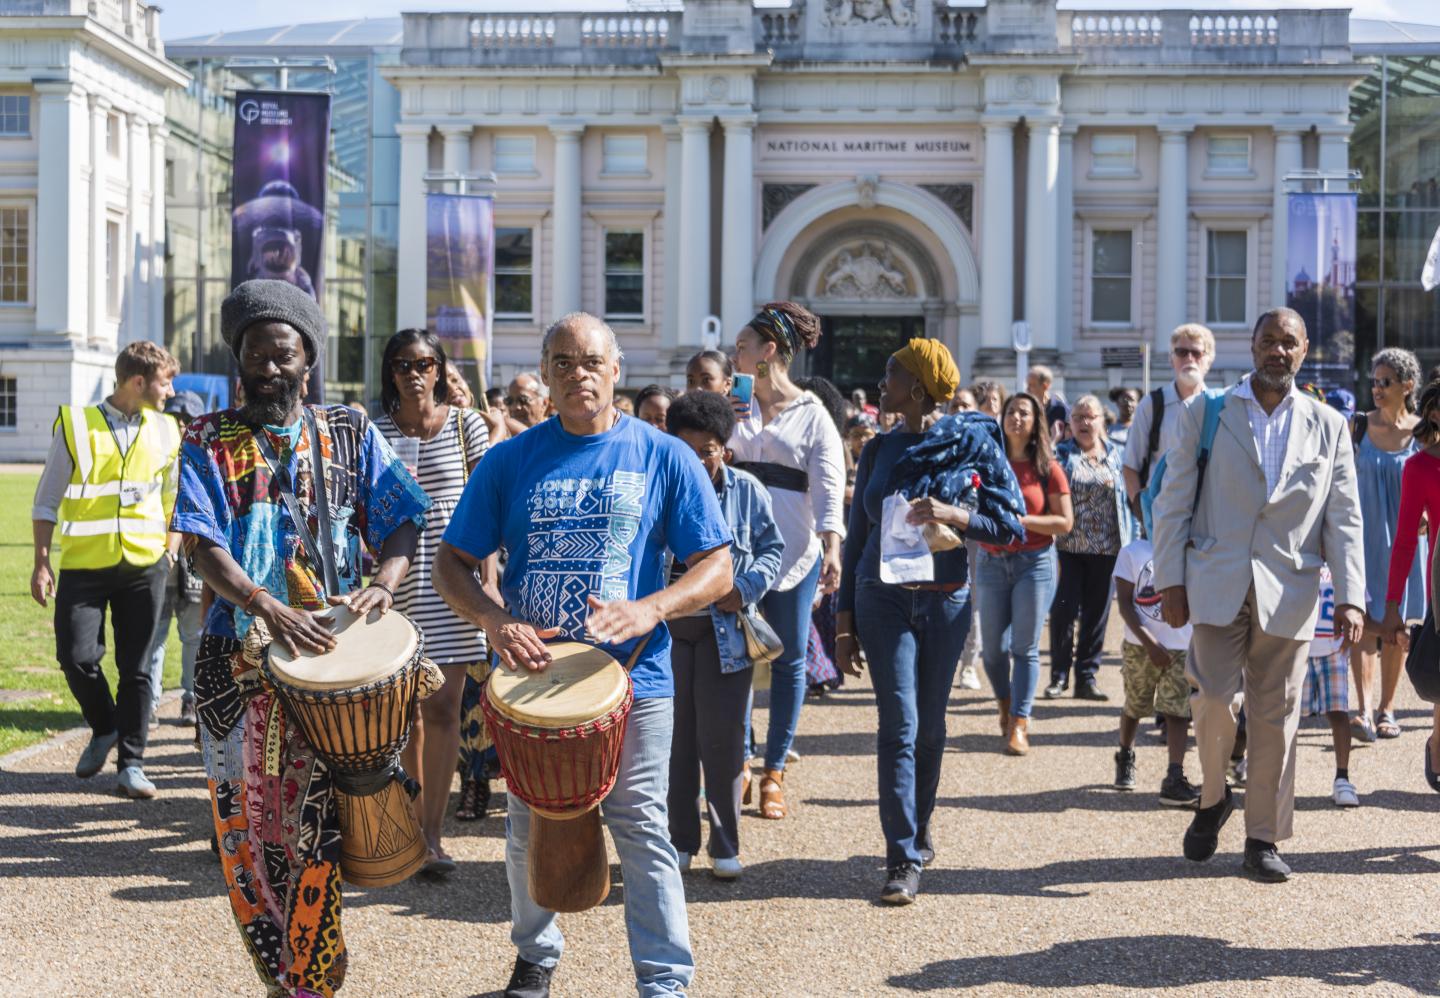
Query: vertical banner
{"x": 1320, "y": 283}
{"x": 282, "y": 153}
{"x": 460, "y": 281}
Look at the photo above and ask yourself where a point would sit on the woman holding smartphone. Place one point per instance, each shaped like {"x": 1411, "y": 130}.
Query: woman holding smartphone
{"x": 786, "y": 438}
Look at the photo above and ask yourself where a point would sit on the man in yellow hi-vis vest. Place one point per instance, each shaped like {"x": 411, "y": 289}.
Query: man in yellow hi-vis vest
{"x": 109, "y": 482}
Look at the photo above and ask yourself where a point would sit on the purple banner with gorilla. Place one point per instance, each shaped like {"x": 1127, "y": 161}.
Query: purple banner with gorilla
{"x": 459, "y": 280}
{"x": 282, "y": 150}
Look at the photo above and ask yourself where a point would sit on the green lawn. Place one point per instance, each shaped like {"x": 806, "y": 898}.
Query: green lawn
{"x": 27, "y": 634}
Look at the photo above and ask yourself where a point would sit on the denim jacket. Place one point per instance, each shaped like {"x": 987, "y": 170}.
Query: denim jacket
{"x": 755, "y": 555}
{"x": 1069, "y": 455}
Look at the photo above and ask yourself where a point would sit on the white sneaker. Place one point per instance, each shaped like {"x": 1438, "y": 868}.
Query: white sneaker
{"x": 791, "y": 755}
{"x": 726, "y": 869}
{"x": 685, "y": 859}
{"x": 1344, "y": 794}
{"x": 969, "y": 678}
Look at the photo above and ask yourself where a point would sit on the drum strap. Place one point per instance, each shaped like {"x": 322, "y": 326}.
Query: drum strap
{"x": 639, "y": 650}
{"x": 322, "y": 557}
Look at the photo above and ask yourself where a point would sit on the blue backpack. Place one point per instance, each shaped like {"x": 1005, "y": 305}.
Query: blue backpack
{"x": 1214, "y": 403}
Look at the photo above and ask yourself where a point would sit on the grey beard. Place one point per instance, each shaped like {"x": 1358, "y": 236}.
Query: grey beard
{"x": 1280, "y": 384}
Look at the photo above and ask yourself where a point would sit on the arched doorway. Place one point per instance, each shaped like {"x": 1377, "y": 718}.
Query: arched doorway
{"x": 880, "y": 263}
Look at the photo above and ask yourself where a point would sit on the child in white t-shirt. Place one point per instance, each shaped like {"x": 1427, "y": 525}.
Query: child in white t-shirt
{"x": 1327, "y": 689}
{"x": 1153, "y": 667}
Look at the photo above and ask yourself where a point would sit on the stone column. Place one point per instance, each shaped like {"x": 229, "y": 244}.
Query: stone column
{"x": 670, "y": 225}
{"x": 62, "y": 216}
{"x": 99, "y": 179}
{"x": 694, "y": 255}
{"x": 997, "y": 240}
{"x": 410, "y": 243}
{"x": 565, "y": 219}
{"x": 1334, "y": 148}
{"x": 737, "y": 264}
{"x": 1172, "y": 261}
{"x": 1065, "y": 242}
{"x": 457, "y": 152}
{"x": 157, "y": 135}
{"x": 1042, "y": 210}
{"x": 137, "y": 225}
{"x": 1289, "y": 157}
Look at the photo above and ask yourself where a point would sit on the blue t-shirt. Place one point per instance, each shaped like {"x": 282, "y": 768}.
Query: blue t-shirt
{"x": 584, "y": 516}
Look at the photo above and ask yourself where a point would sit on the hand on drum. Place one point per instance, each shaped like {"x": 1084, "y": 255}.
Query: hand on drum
{"x": 297, "y": 630}
{"x": 521, "y": 645}
{"x": 370, "y": 598}
{"x": 618, "y": 622}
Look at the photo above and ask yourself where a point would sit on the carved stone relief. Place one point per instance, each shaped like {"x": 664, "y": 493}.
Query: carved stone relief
{"x": 867, "y": 272}
{"x": 850, "y": 13}
{"x": 959, "y": 198}
{"x": 775, "y": 197}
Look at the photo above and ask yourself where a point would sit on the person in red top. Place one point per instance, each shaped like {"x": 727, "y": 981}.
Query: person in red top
{"x": 1419, "y": 493}
{"x": 1016, "y": 583}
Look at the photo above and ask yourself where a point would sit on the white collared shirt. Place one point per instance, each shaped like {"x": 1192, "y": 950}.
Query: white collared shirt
{"x": 1270, "y": 429}
{"x": 1137, "y": 443}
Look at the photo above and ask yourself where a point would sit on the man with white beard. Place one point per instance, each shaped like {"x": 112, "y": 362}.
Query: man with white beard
{"x": 1192, "y": 351}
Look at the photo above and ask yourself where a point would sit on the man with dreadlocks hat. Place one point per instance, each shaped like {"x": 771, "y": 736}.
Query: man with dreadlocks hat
{"x": 272, "y": 799}
{"x": 788, "y": 441}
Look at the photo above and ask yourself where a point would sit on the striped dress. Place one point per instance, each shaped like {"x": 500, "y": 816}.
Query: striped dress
{"x": 442, "y": 473}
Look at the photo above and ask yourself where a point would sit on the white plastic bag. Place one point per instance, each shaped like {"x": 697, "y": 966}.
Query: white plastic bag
{"x": 904, "y": 554}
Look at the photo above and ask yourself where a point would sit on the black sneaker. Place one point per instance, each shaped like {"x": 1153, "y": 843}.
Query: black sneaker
{"x": 1263, "y": 862}
{"x": 902, "y": 883}
{"x": 1056, "y": 689}
{"x": 529, "y": 980}
{"x": 925, "y": 846}
{"x": 1176, "y": 791}
{"x": 1089, "y": 691}
{"x": 1125, "y": 769}
{"x": 1203, "y": 835}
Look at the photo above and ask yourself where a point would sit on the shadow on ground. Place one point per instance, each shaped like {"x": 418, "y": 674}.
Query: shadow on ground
{"x": 1161, "y": 961}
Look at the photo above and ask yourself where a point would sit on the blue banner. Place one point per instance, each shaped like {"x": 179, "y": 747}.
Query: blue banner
{"x": 1320, "y": 284}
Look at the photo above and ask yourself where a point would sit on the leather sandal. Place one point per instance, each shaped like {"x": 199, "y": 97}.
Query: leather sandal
{"x": 772, "y": 794}
{"x": 747, "y": 783}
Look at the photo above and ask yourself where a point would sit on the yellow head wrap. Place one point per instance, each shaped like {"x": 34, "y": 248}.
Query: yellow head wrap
{"x": 929, "y": 361}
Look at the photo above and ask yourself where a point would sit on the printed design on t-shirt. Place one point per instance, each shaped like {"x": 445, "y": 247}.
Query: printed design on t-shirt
{"x": 1325, "y": 620}
{"x": 579, "y": 542}
{"x": 1147, "y": 600}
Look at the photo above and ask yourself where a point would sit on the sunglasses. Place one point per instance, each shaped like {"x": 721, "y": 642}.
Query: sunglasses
{"x": 424, "y": 365}
{"x": 1183, "y": 352}
{"x": 1383, "y": 382}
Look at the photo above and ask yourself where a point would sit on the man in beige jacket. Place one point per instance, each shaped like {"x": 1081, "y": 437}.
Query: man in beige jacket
{"x": 1241, "y": 561}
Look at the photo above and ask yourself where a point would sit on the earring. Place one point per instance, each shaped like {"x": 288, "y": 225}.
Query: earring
{"x": 762, "y": 369}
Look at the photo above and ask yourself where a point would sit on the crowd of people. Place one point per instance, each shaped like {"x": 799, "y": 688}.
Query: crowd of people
{"x": 926, "y": 538}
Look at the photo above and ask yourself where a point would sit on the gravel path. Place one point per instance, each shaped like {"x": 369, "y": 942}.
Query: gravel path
{"x": 1045, "y": 879}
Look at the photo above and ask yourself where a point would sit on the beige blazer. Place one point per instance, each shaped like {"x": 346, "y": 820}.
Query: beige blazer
{"x": 1238, "y": 535}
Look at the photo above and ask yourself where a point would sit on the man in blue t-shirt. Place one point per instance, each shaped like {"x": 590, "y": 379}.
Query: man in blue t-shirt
{"x": 586, "y": 504}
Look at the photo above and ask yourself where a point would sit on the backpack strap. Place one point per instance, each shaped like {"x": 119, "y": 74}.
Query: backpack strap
{"x": 1157, "y": 416}
{"x": 1214, "y": 405}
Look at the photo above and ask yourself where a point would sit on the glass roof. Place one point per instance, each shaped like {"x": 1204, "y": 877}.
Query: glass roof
{"x": 367, "y": 33}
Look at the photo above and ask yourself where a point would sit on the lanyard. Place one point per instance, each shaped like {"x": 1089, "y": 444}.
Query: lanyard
{"x": 322, "y": 556}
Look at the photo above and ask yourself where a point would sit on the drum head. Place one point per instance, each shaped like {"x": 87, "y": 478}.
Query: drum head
{"x": 580, "y": 685}
{"x": 367, "y": 649}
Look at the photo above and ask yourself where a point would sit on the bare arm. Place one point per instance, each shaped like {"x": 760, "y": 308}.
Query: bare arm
{"x": 518, "y": 643}
{"x": 297, "y": 630}
{"x": 1132, "y": 483}
{"x": 1059, "y": 520}
{"x": 708, "y": 577}
{"x": 42, "y": 580}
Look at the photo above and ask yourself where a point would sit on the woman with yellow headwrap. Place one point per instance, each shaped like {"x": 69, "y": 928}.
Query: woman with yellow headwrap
{"x": 912, "y": 634}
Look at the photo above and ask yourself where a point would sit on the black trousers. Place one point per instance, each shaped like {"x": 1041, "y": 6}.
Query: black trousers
{"x": 709, "y": 737}
{"x": 1084, "y": 593}
{"x": 134, "y": 597}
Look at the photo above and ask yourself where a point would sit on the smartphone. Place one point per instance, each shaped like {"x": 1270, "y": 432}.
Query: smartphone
{"x": 743, "y": 390}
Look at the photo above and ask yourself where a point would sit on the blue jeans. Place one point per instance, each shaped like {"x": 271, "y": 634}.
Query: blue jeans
{"x": 1015, "y": 591}
{"x": 635, "y": 813}
{"x": 191, "y": 622}
{"x": 789, "y": 614}
{"x": 912, "y": 641}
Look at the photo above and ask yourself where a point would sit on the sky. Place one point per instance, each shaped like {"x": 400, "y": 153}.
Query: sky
{"x": 187, "y": 18}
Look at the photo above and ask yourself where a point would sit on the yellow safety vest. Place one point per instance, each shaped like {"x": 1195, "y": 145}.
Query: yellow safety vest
{"x": 116, "y": 506}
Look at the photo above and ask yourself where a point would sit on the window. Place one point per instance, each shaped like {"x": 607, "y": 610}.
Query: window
{"x": 112, "y": 268}
{"x": 112, "y": 135}
{"x": 623, "y": 154}
{"x": 14, "y": 115}
{"x": 514, "y": 274}
{"x": 1228, "y": 154}
{"x": 1226, "y": 258}
{"x": 14, "y": 256}
{"x": 1112, "y": 155}
{"x": 8, "y": 393}
{"x": 514, "y": 154}
{"x": 625, "y": 275}
{"x": 1111, "y": 278}
{"x": 169, "y": 178}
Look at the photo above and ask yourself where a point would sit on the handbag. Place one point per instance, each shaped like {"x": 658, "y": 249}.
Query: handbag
{"x": 1422, "y": 662}
{"x": 762, "y": 644}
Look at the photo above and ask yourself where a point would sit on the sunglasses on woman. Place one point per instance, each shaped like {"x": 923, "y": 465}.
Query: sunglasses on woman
{"x": 1383, "y": 382}
{"x": 424, "y": 365}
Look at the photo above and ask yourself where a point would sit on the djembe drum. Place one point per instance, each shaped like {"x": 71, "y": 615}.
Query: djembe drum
{"x": 558, "y": 733}
{"x": 354, "y": 705}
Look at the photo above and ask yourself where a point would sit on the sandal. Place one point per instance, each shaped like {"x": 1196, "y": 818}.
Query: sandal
{"x": 1385, "y": 726}
{"x": 772, "y": 795}
{"x": 747, "y": 783}
{"x": 1363, "y": 728}
{"x": 474, "y": 800}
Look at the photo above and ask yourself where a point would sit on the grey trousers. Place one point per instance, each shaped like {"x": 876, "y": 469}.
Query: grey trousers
{"x": 710, "y": 708}
{"x": 1225, "y": 662}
